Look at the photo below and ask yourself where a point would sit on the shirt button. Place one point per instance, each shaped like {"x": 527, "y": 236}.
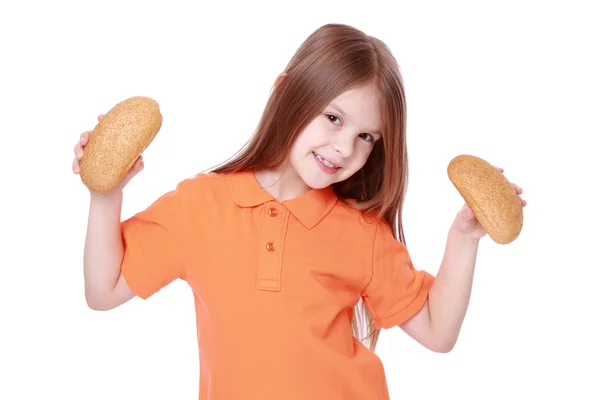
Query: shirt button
{"x": 271, "y": 246}
{"x": 272, "y": 212}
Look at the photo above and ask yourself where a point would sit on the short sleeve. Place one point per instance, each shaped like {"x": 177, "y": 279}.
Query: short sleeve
{"x": 396, "y": 290}
{"x": 153, "y": 246}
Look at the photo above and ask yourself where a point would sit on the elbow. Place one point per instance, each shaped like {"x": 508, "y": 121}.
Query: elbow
{"x": 444, "y": 345}
{"x": 95, "y": 302}
{"x": 95, "y": 305}
{"x": 446, "y": 348}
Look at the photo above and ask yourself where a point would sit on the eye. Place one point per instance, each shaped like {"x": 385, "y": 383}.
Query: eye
{"x": 332, "y": 118}
{"x": 367, "y": 137}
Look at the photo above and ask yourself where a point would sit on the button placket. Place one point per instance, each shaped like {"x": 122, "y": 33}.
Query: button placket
{"x": 270, "y": 253}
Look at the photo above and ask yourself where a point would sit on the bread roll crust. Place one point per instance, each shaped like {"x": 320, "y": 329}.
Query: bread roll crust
{"x": 117, "y": 141}
{"x": 490, "y": 195}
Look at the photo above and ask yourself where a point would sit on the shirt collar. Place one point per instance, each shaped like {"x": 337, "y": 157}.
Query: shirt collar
{"x": 309, "y": 209}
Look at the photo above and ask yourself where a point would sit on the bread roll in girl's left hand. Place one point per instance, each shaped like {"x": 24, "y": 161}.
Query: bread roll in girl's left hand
{"x": 79, "y": 149}
{"x": 492, "y": 198}
{"x": 118, "y": 141}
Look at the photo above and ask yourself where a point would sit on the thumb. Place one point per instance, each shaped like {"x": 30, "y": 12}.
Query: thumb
{"x": 137, "y": 166}
{"x": 467, "y": 212}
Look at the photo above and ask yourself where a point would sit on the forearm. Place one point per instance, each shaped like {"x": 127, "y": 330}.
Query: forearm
{"x": 103, "y": 251}
{"x": 451, "y": 291}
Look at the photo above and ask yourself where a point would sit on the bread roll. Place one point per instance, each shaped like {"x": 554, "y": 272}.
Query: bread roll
{"x": 117, "y": 141}
{"x": 490, "y": 195}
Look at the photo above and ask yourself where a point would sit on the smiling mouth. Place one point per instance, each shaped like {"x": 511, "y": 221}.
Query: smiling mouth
{"x": 325, "y": 162}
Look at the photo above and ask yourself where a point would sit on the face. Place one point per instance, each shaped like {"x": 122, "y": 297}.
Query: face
{"x": 337, "y": 143}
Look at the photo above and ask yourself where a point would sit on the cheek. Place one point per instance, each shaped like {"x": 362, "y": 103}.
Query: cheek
{"x": 363, "y": 153}
{"x": 314, "y": 136}
{"x": 360, "y": 158}
{"x": 307, "y": 144}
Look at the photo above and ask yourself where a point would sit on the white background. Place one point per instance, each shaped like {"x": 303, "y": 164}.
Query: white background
{"x": 516, "y": 83}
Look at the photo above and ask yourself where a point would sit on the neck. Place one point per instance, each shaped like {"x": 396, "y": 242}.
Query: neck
{"x": 282, "y": 183}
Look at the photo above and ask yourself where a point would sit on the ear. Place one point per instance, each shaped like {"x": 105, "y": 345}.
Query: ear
{"x": 279, "y": 79}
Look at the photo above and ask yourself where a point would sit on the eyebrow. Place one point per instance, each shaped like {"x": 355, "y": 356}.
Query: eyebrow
{"x": 338, "y": 109}
{"x": 343, "y": 114}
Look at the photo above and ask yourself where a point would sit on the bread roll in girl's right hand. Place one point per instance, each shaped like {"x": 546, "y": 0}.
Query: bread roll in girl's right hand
{"x": 118, "y": 141}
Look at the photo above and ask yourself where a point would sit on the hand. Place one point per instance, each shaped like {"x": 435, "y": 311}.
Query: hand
{"x": 466, "y": 223}
{"x": 79, "y": 150}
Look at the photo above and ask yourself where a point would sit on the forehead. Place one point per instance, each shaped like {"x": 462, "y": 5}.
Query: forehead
{"x": 360, "y": 106}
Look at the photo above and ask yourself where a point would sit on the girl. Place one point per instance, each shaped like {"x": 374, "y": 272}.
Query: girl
{"x": 291, "y": 248}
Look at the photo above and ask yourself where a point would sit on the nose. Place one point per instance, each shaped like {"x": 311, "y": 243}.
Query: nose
{"x": 344, "y": 144}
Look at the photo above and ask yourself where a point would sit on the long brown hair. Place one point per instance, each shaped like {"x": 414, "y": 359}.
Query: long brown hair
{"x": 332, "y": 60}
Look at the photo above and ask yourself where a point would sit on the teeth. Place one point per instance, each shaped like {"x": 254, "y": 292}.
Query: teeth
{"x": 324, "y": 161}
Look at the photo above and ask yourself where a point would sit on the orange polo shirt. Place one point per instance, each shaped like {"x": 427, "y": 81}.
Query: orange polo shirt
{"x": 274, "y": 286}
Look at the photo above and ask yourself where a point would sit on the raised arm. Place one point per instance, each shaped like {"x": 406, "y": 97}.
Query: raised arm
{"x": 105, "y": 286}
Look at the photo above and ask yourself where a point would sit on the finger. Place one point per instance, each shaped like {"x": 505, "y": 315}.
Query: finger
{"x": 83, "y": 139}
{"x": 139, "y": 163}
{"x": 517, "y": 188}
{"x": 523, "y": 203}
{"x": 137, "y": 166}
{"x": 75, "y": 166}
{"x": 78, "y": 151}
{"x": 85, "y": 134}
{"x": 100, "y": 117}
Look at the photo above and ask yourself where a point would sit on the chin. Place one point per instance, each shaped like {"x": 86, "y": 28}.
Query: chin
{"x": 319, "y": 180}
{"x": 316, "y": 182}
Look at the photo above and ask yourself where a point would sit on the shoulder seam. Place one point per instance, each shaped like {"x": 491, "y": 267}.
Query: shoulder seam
{"x": 371, "y": 273}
